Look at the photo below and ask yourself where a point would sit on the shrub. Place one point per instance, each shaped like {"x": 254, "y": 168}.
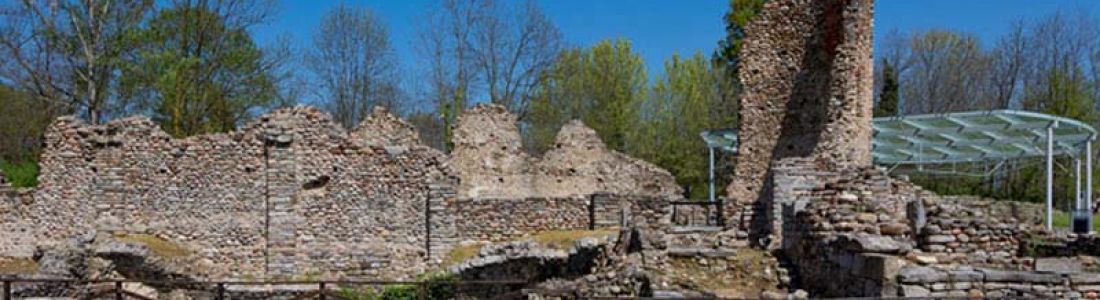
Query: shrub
{"x": 21, "y": 174}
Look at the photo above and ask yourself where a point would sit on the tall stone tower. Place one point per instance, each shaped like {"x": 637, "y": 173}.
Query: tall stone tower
{"x": 807, "y": 71}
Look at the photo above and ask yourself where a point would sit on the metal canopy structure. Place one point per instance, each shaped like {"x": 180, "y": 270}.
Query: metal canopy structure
{"x": 975, "y": 136}
{"x": 721, "y": 139}
{"x": 997, "y": 135}
{"x": 969, "y": 137}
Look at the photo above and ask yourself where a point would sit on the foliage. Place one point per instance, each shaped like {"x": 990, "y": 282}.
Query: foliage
{"x": 602, "y": 86}
{"x": 23, "y": 122}
{"x": 488, "y": 48}
{"x": 20, "y": 174}
{"x": 400, "y": 292}
{"x": 68, "y": 53}
{"x": 1064, "y": 219}
{"x": 440, "y": 285}
{"x": 354, "y": 64}
{"x": 197, "y": 72}
{"x": 679, "y": 109}
{"x": 887, "y": 105}
{"x": 739, "y": 15}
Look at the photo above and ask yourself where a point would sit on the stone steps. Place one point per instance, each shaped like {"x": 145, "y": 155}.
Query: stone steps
{"x": 694, "y": 229}
{"x": 701, "y": 251}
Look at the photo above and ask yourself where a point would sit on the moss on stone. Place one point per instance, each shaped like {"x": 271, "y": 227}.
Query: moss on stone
{"x": 565, "y": 239}
{"x": 17, "y": 265}
{"x": 159, "y": 246}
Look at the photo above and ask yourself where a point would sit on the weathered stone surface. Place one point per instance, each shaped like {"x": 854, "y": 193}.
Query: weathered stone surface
{"x": 489, "y": 157}
{"x": 807, "y": 72}
{"x": 921, "y": 275}
{"x": 381, "y": 128}
{"x": 1061, "y": 265}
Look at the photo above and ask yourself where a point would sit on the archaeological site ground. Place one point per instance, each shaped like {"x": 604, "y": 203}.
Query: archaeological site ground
{"x": 293, "y": 206}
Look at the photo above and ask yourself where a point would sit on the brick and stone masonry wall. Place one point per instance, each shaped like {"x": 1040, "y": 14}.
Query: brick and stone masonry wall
{"x": 290, "y": 193}
{"x": 498, "y": 220}
{"x": 807, "y": 73}
{"x": 488, "y": 155}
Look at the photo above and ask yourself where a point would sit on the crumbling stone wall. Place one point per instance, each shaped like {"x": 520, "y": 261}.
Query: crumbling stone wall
{"x": 489, "y": 157}
{"x": 807, "y": 74}
{"x": 498, "y": 220}
{"x": 290, "y": 193}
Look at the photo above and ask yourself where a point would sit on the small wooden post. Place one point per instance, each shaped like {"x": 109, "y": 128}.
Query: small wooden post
{"x": 7, "y": 290}
{"x": 118, "y": 290}
{"x": 221, "y": 291}
{"x": 321, "y": 290}
{"x": 592, "y": 212}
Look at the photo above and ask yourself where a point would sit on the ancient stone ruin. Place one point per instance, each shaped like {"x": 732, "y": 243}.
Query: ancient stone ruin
{"x": 489, "y": 157}
{"x": 292, "y": 195}
{"x": 806, "y": 70}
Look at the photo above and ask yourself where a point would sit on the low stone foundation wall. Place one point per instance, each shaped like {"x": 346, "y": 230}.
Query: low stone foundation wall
{"x": 971, "y": 282}
{"x": 497, "y": 220}
{"x": 956, "y": 233}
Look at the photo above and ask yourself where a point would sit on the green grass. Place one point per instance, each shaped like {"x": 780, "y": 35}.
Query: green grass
{"x": 20, "y": 174}
{"x": 159, "y": 246}
{"x": 1062, "y": 220}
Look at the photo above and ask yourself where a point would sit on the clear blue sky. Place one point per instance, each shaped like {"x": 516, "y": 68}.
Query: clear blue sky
{"x": 660, "y": 28}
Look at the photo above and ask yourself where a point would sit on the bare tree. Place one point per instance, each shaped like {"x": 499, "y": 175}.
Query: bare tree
{"x": 68, "y": 52}
{"x": 1007, "y": 62}
{"x": 512, "y": 46}
{"x": 946, "y": 72}
{"x": 353, "y": 60}
{"x": 485, "y": 48}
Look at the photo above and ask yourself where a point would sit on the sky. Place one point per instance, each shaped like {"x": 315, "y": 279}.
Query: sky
{"x": 658, "y": 29}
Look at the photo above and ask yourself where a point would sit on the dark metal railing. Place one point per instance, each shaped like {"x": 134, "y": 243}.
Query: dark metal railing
{"x": 324, "y": 290}
{"x": 698, "y": 213}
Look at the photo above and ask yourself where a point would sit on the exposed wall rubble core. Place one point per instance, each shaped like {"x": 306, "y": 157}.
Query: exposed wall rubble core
{"x": 293, "y": 193}
{"x": 806, "y": 70}
{"x": 489, "y": 157}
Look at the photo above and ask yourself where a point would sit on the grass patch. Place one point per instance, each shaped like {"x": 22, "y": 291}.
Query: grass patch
{"x": 159, "y": 246}
{"x": 565, "y": 239}
{"x": 20, "y": 174}
{"x": 1063, "y": 219}
{"x": 17, "y": 265}
{"x": 460, "y": 254}
{"x": 742, "y": 278}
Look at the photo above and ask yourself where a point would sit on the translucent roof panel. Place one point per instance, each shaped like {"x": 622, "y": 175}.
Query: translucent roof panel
{"x": 721, "y": 139}
{"x": 974, "y": 136}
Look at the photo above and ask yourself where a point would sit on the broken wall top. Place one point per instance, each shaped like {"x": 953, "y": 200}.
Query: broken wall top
{"x": 806, "y": 69}
{"x": 381, "y": 128}
{"x": 490, "y": 160}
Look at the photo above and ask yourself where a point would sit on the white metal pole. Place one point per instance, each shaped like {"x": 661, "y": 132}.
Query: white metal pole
{"x": 711, "y": 183}
{"x": 1088, "y": 181}
{"x": 1077, "y": 183}
{"x": 1050, "y": 175}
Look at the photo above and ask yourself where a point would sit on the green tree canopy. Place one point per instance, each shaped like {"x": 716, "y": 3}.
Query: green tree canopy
{"x": 602, "y": 86}
{"x": 196, "y": 73}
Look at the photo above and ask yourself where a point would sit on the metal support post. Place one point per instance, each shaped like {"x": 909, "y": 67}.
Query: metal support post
{"x": 1088, "y": 180}
{"x": 711, "y": 180}
{"x": 1050, "y": 175}
{"x": 1077, "y": 184}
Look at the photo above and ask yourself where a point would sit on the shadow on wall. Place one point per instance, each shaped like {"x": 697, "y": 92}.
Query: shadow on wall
{"x": 806, "y": 107}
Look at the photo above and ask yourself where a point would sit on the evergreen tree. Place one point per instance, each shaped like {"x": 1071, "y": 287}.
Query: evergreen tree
{"x": 887, "y": 105}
